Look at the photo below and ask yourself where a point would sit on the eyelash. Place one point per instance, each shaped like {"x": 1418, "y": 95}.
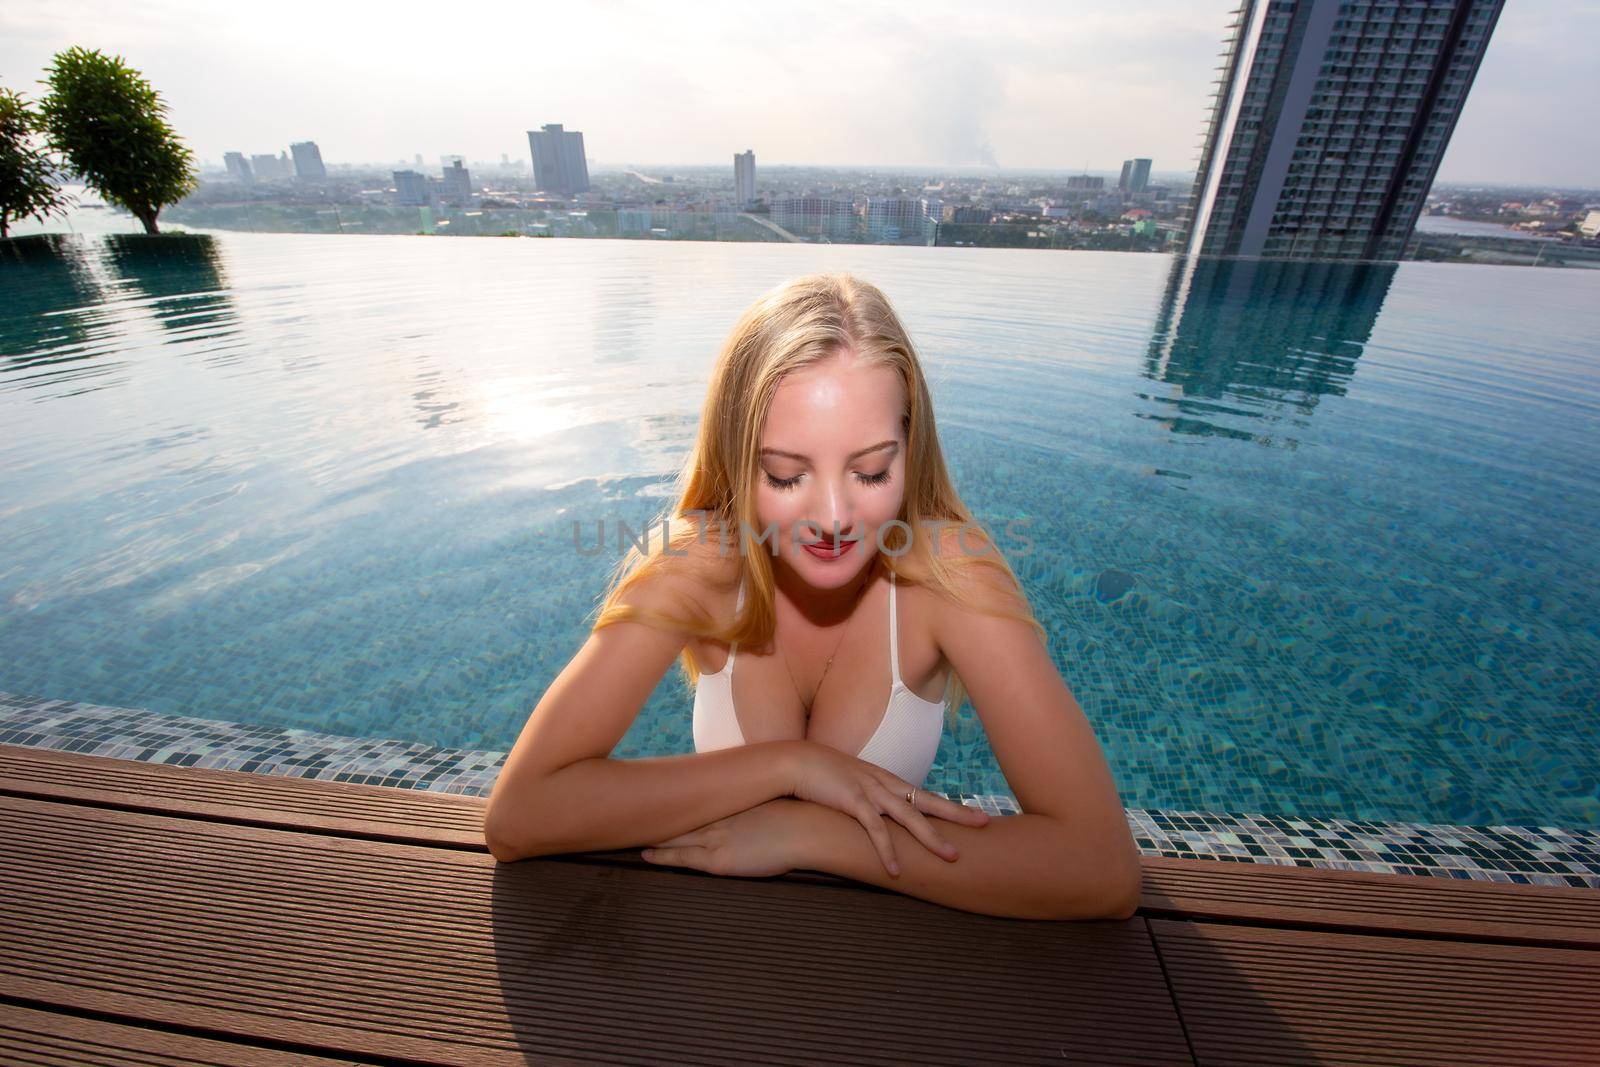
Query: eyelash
{"x": 789, "y": 483}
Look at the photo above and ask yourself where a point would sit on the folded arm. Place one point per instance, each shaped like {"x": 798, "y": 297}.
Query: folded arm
{"x": 1071, "y": 855}
{"x": 1021, "y": 866}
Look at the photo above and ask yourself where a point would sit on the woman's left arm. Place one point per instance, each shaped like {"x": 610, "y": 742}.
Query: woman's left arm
{"x": 1070, "y": 855}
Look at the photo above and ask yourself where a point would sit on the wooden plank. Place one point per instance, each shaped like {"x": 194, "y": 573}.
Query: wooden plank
{"x": 1279, "y": 996}
{"x": 1173, "y": 888}
{"x": 370, "y": 948}
{"x": 385, "y": 814}
{"x": 1363, "y": 902}
{"x": 31, "y": 1036}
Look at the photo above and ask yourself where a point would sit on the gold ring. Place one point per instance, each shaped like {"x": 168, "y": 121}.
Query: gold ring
{"x": 911, "y": 798}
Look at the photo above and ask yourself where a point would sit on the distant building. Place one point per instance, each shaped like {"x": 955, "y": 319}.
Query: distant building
{"x": 901, "y": 218}
{"x": 1330, "y": 120}
{"x": 1590, "y": 226}
{"x": 559, "y": 165}
{"x": 308, "y": 162}
{"x": 817, "y": 216}
{"x": 457, "y": 183}
{"x": 972, "y": 215}
{"x": 1135, "y": 175}
{"x": 269, "y": 168}
{"x": 744, "y": 177}
{"x": 413, "y": 189}
{"x": 1085, "y": 183}
{"x": 238, "y": 167}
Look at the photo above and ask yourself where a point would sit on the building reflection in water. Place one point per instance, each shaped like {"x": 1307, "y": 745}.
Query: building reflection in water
{"x": 1246, "y": 348}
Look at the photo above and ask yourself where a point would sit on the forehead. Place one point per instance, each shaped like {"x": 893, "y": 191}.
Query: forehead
{"x": 833, "y": 403}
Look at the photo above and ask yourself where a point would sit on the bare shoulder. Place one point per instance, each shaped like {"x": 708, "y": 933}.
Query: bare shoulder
{"x": 981, "y": 582}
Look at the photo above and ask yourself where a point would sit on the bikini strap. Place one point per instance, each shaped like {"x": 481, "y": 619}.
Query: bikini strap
{"x": 894, "y": 635}
{"x": 733, "y": 649}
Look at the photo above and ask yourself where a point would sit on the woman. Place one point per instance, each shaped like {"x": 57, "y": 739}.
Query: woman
{"x": 818, "y": 544}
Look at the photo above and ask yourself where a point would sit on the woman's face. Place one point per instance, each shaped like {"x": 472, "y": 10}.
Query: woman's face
{"x": 832, "y": 452}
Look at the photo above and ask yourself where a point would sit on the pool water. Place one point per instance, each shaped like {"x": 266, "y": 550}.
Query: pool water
{"x": 1309, "y": 539}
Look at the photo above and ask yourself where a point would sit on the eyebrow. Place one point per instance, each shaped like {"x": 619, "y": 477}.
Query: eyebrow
{"x": 854, "y": 455}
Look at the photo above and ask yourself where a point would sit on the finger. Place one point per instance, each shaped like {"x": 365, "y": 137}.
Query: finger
{"x": 872, "y": 821}
{"x": 946, "y": 808}
{"x": 934, "y": 803}
{"x": 679, "y": 856}
{"x": 691, "y": 837}
{"x": 920, "y": 828}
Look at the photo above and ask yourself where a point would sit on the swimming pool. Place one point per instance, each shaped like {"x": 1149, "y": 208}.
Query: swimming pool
{"x": 1308, "y": 539}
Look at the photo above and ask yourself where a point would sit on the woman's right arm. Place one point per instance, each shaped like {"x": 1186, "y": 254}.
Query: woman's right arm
{"x": 559, "y": 790}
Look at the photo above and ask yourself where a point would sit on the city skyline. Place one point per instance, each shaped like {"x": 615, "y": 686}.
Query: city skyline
{"x": 1037, "y": 91}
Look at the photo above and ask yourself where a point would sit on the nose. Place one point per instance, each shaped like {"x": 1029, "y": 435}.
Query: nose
{"x": 834, "y": 506}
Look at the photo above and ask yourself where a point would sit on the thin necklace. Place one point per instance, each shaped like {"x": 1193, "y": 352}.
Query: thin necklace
{"x": 844, "y": 630}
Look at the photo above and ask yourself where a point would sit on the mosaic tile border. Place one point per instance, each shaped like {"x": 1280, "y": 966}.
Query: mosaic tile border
{"x": 1528, "y": 855}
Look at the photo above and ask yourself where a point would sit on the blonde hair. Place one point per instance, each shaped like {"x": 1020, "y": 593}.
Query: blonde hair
{"x": 798, "y": 324}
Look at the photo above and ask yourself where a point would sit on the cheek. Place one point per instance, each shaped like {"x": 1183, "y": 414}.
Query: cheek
{"x": 773, "y": 506}
{"x": 883, "y": 505}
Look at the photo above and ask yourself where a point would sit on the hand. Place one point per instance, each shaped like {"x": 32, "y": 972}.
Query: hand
{"x": 867, "y": 792}
{"x": 757, "y": 843}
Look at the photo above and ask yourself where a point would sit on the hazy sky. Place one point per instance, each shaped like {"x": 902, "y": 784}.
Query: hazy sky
{"x": 1050, "y": 84}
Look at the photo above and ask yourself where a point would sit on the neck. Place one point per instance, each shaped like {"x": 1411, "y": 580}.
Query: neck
{"x": 821, "y": 607}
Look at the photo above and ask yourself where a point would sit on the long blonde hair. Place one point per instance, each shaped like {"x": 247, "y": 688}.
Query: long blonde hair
{"x": 798, "y": 324}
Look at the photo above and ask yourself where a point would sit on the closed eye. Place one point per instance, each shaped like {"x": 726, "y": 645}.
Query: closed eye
{"x": 881, "y": 478}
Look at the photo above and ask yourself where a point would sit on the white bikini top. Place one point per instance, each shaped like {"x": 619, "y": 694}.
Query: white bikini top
{"x": 904, "y": 744}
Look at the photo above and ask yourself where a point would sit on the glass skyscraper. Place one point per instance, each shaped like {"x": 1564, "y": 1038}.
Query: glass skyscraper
{"x": 1330, "y": 119}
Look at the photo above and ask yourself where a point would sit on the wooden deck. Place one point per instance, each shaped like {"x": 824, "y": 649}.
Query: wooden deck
{"x": 153, "y": 914}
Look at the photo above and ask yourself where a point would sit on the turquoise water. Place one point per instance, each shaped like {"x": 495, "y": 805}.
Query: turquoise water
{"x": 1308, "y": 539}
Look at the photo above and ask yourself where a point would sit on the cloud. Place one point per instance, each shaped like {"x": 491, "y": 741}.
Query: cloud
{"x": 1037, "y": 84}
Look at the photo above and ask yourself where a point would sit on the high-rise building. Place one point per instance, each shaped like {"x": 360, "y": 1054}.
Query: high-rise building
{"x": 308, "y": 162}
{"x": 1330, "y": 119}
{"x": 238, "y": 167}
{"x": 412, "y": 189}
{"x": 744, "y": 177}
{"x": 1085, "y": 183}
{"x": 1135, "y": 175}
{"x": 902, "y": 219}
{"x": 268, "y": 167}
{"x": 457, "y": 183}
{"x": 559, "y": 165}
{"x": 817, "y": 217}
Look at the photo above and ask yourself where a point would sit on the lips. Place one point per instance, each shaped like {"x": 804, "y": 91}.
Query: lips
{"x": 829, "y": 549}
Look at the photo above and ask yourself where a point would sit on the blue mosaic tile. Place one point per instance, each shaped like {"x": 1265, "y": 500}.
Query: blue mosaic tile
{"x": 1530, "y": 855}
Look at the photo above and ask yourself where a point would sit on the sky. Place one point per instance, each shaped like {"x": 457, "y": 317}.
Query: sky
{"x": 1021, "y": 85}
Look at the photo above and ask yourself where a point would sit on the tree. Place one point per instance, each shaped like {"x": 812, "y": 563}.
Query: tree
{"x": 25, "y": 186}
{"x": 111, "y": 126}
